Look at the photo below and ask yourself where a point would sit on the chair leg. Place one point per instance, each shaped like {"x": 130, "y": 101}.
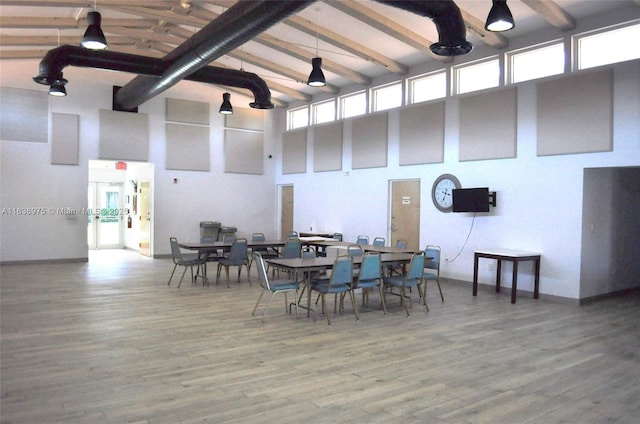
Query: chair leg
{"x": 440, "y": 288}
{"x": 182, "y": 278}
{"x": 382, "y": 302}
{"x": 174, "y": 270}
{"x": 324, "y": 308}
{"x": 354, "y": 304}
{"x": 403, "y": 301}
{"x": 258, "y": 302}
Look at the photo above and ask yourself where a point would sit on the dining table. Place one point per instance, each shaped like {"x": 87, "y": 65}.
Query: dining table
{"x": 206, "y": 247}
{"x": 308, "y": 266}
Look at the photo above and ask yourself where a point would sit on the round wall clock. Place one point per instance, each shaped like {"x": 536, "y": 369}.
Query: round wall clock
{"x": 442, "y": 192}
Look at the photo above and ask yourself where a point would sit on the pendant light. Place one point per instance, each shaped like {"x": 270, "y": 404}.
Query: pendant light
{"x": 57, "y": 89}
{"x": 500, "y": 18}
{"x": 225, "y": 107}
{"x": 316, "y": 77}
{"x": 94, "y": 38}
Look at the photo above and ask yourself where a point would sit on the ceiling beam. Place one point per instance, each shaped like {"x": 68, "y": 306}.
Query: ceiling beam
{"x": 346, "y": 44}
{"x": 490, "y": 38}
{"x": 66, "y": 23}
{"x": 388, "y": 26}
{"x": 553, "y": 13}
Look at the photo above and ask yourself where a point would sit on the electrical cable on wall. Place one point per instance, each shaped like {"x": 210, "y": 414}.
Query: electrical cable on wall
{"x": 465, "y": 242}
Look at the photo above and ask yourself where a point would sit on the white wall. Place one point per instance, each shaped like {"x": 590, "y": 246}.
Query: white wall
{"x": 29, "y": 180}
{"x": 539, "y": 198}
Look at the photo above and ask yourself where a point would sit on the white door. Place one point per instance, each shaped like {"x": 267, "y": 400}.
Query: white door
{"x": 106, "y": 216}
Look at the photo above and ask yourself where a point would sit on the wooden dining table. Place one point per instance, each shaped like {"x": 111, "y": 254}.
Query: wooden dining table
{"x": 307, "y": 266}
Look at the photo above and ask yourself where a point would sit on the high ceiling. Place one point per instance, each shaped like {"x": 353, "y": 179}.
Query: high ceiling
{"x": 358, "y": 39}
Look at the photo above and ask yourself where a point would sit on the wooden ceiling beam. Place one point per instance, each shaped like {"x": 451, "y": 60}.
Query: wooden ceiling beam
{"x": 552, "y": 13}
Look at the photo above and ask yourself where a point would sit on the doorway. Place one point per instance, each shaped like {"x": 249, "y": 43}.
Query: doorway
{"x": 105, "y": 217}
{"x": 405, "y": 212}
{"x": 286, "y": 210}
{"x": 145, "y": 218}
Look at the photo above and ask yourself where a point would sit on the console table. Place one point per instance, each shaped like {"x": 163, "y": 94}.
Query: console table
{"x": 515, "y": 256}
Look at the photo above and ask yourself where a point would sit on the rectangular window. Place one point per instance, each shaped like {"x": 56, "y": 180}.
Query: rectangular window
{"x": 297, "y": 118}
{"x": 476, "y": 76}
{"x": 537, "y": 62}
{"x": 427, "y": 87}
{"x": 386, "y": 97}
{"x": 609, "y": 46}
{"x": 323, "y": 112}
{"x": 353, "y": 104}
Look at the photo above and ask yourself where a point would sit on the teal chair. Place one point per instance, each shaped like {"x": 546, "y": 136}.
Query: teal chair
{"x": 432, "y": 268}
{"x": 370, "y": 277}
{"x": 339, "y": 283}
{"x": 238, "y": 257}
{"x": 265, "y": 252}
{"x": 379, "y": 241}
{"x": 186, "y": 261}
{"x": 273, "y": 287}
{"x": 292, "y": 249}
{"x": 413, "y": 277}
{"x": 362, "y": 240}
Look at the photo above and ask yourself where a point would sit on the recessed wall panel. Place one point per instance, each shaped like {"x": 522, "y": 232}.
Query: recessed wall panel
{"x": 187, "y": 147}
{"x": 243, "y": 152}
{"x": 15, "y": 105}
{"x": 488, "y": 125}
{"x": 64, "y": 138}
{"x": 575, "y": 114}
{"x": 188, "y": 111}
{"x": 369, "y": 141}
{"x": 294, "y": 152}
{"x": 327, "y": 147}
{"x": 422, "y": 134}
{"x": 124, "y": 135}
{"x": 244, "y": 118}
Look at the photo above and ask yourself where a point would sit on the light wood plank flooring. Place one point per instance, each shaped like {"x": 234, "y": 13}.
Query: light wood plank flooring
{"x": 108, "y": 342}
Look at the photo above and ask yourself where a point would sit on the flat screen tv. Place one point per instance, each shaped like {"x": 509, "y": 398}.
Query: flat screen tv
{"x": 471, "y": 200}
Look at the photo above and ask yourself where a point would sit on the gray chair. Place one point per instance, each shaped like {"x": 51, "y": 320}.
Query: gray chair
{"x": 379, "y": 241}
{"x": 362, "y": 240}
{"x": 186, "y": 261}
{"x": 265, "y": 252}
{"x": 340, "y": 282}
{"x": 273, "y": 287}
{"x": 432, "y": 268}
{"x": 238, "y": 256}
{"x": 413, "y": 277}
{"x": 370, "y": 277}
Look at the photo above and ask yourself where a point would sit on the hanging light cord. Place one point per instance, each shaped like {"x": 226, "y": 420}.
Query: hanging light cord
{"x": 465, "y": 242}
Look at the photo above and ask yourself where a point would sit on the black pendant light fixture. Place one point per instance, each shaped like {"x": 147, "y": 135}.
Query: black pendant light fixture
{"x": 94, "y": 38}
{"x": 57, "y": 89}
{"x": 225, "y": 107}
{"x": 500, "y": 18}
{"x": 316, "y": 77}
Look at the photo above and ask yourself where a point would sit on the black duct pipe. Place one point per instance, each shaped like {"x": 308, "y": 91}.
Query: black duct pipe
{"x": 57, "y": 59}
{"x": 448, "y": 20}
{"x": 239, "y": 24}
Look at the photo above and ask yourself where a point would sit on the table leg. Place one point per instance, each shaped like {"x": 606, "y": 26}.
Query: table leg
{"x": 475, "y": 275}
{"x": 514, "y": 282}
{"x": 536, "y": 286}
{"x": 498, "y": 275}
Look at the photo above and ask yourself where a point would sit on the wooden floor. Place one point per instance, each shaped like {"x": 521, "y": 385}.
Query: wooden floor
{"x": 108, "y": 342}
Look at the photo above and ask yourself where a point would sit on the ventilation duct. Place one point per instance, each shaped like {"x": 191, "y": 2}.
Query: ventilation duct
{"x": 57, "y": 59}
{"x": 447, "y": 18}
{"x": 239, "y": 24}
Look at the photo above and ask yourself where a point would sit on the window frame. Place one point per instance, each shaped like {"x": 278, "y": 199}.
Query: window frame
{"x": 455, "y": 77}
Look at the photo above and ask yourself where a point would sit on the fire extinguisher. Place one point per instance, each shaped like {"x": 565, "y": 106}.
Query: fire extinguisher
{"x": 129, "y": 222}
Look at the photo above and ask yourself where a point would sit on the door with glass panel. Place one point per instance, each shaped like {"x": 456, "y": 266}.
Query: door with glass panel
{"x": 105, "y": 216}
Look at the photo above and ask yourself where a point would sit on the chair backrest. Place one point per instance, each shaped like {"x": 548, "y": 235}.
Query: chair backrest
{"x": 416, "y": 267}
{"x": 258, "y": 237}
{"x": 292, "y": 234}
{"x": 370, "y": 267}
{"x": 228, "y": 238}
{"x": 362, "y": 240}
{"x": 263, "y": 276}
{"x": 379, "y": 241}
{"x": 433, "y": 252}
{"x": 401, "y": 244}
{"x": 308, "y": 253}
{"x": 238, "y": 249}
{"x": 337, "y": 236}
{"x": 342, "y": 271}
{"x": 292, "y": 248}
{"x": 176, "y": 254}
{"x": 354, "y": 250}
